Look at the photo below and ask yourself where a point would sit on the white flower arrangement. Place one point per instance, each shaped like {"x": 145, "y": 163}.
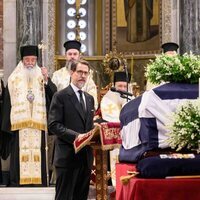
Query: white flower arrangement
{"x": 178, "y": 68}
{"x": 184, "y": 130}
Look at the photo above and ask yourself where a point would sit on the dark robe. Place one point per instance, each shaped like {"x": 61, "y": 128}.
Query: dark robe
{"x": 1, "y": 137}
{"x": 11, "y": 143}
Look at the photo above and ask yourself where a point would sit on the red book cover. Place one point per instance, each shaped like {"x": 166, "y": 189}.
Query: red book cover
{"x": 107, "y": 133}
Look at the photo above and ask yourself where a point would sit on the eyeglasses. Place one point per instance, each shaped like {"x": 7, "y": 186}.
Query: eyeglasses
{"x": 80, "y": 73}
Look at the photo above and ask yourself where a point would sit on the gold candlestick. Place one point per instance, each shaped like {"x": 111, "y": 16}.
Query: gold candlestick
{"x": 132, "y": 66}
{"x": 78, "y": 3}
{"x": 78, "y": 16}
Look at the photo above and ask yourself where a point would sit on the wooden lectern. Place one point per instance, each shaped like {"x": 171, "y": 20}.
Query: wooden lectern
{"x": 104, "y": 137}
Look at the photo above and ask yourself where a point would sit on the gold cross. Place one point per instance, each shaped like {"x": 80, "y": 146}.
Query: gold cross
{"x": 17, "y": 80}
{"x": 109, "y": 108}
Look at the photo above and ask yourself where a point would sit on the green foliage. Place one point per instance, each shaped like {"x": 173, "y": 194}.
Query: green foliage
{"x": 179, "y": 69}
{"x": 184, "y": 131}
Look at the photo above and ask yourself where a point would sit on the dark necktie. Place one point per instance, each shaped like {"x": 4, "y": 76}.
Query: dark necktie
{"x": 82, "y": 101}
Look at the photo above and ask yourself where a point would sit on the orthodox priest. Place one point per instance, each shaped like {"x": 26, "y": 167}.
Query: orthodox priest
{"x": 112, "y": 102}
{"x": 26, "y": 121}
{"x": 61, "y": 77}
{"x": 111, "y": 105}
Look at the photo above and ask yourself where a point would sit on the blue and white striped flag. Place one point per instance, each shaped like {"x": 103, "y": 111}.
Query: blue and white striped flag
{"x": 144, "y": 119}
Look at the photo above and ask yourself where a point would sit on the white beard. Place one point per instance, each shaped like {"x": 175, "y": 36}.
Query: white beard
{"x": 30, "y": 73}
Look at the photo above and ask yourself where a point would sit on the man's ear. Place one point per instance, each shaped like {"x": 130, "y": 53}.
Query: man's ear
{"x": 71, "y": 72}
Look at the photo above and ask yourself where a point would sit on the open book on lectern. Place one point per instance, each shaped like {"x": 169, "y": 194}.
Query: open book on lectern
{"x": 79, "y": 143}
{"x": 107, "y": 134}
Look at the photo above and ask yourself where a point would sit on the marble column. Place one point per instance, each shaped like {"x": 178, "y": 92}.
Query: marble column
{"x": 9, "y": 37}
{"x": 189, "y": 26}
{"x": 29, "y": 23}
{"x": 170, "y": 21}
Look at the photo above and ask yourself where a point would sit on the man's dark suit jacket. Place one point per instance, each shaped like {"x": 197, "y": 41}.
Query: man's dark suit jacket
{"x": 66, "y": 120}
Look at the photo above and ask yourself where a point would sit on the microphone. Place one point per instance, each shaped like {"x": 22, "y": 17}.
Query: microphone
{"x": 113, "y": 89}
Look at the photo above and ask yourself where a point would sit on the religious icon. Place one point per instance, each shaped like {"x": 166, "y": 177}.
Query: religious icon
{"x": 137, "y": 26}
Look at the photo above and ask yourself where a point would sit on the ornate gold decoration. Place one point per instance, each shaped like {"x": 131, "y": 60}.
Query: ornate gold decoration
{"x": 98, "y": 187}
{"x": 98, "y": 177}
{"x": 98, "y": 167}
{"x": 135, "y": 89}
{"x": 114, "y": 61}
{"x": 78, "y": 3}
{"x": 78, "y": 16}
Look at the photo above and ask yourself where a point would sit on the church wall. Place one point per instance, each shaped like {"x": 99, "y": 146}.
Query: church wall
{"x": 170, "y": 27}
{"x": 9, "y": 37}
{"x": 170, "y": 21}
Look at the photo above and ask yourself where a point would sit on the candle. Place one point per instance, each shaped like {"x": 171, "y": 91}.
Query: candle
{"x": 132, "y": 65}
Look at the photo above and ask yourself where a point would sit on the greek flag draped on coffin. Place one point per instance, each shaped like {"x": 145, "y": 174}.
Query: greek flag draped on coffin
{"x": 144, "y": 119}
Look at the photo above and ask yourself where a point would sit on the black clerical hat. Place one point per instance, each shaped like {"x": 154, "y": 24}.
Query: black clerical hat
{"x": 170, "y": 46}
{"x": 72, "y": 44}
{"x": 29, "y": 50}
{"x": 121, "y": 76}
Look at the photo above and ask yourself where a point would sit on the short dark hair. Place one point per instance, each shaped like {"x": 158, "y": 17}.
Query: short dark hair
{"x": 76, "y": 62}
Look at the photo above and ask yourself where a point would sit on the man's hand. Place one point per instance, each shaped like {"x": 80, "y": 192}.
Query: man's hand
{"x": 44, "y": 73}
{"x": 80, "y": 136}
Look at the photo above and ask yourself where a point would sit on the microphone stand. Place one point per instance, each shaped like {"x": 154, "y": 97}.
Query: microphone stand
{"x": 125, "y": 97}
{"x": 127, "y": 80}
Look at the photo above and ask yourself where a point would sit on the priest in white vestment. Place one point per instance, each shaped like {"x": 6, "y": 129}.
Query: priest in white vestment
{"x": 25, "y": 120}
{"x": 61, "y": 77}
{"x": 111, "y": 105}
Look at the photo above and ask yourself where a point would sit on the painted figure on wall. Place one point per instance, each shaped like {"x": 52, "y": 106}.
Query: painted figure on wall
{"x": 138, "y": 15}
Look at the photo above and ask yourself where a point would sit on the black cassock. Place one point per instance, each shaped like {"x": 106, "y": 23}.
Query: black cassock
{"x": 1, "y": 136}
{"x": 11, "y": 138}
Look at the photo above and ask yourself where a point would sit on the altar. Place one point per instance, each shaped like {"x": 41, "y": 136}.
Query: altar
{"x": 158, "y": 189}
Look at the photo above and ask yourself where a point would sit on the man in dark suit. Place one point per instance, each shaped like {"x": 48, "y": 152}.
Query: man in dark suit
{"x": 71, "y": 116}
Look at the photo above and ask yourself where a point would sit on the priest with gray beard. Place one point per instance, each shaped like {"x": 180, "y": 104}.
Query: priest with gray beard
{"x": 25, "y": 120}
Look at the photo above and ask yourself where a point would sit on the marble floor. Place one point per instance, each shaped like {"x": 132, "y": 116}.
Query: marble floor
{"x": 11, "y": 193}
{"x": 37, "y": 193}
